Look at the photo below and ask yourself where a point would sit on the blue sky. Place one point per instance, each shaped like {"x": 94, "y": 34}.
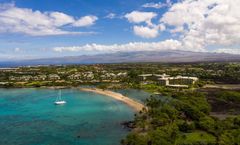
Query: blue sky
{"x": 53, "y": 28}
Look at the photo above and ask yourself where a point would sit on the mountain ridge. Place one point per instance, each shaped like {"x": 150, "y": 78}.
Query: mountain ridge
{"x": 171, "y": 56}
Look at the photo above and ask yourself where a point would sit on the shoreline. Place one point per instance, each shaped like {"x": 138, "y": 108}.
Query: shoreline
{"x": 118, "y": 96}
{"x": 130, "y": 102}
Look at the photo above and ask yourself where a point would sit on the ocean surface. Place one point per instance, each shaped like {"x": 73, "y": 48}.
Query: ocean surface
{"x": 29, "y": 117}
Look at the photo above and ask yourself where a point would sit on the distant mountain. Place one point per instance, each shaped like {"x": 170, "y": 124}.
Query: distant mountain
{"x": 138, "y": 56}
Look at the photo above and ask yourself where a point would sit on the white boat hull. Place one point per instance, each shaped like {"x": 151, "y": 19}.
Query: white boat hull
{"x": 60, "y": 102}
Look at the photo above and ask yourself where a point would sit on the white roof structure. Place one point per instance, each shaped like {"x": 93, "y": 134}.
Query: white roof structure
{"x": 145, "y": 75}
{"x": 184, "y": 77}
{"x": 161, "y": 76}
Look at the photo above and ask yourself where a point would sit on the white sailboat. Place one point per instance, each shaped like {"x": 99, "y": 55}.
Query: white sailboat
{"x": 59, "y": 100}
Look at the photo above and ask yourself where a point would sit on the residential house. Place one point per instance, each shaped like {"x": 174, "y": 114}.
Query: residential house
{"x": 54, "y": 77}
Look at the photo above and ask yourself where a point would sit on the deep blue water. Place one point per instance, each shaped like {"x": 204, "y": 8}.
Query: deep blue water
{"x": 29, "y": 117}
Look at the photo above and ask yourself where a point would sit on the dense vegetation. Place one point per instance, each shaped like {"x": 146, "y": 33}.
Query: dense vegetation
{"x": 182, "y": 119}
{"x": 208, "y": 73}
{"x": 229, "y": 96}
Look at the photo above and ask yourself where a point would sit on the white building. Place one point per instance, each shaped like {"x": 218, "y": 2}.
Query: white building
{"x": 167, "y": 80}
{"x": 54, "y": 77}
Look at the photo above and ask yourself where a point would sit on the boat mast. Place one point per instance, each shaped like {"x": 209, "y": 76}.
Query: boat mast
{"x": 60, "y": 94}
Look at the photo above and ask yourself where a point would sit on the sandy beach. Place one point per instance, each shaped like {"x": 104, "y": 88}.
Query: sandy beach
{"x": 132, "y": 103}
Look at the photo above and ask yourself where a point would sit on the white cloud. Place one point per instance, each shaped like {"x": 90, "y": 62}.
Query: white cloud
{"x": 161, "y": 27}
{"x": 145, "y": 32}
{"x": 150, "y": 30}
{"x": 85, "y": 21}
{"x": 153, "y": 5}
{"x": 204, "y": 23}
{"x": 36, "y": 23}
{"x": 17, "y": 49}
{"x": 61, "y": 18}
{"x": 157, "y": 5}
{"x": 197, "y": 24}
{"x": 228, "y": 50}
{"x": 132, "y": 46}
{"x": 111, "y": 16}
{"x": 177, "y": 29}
{"x": 139, "y": 17}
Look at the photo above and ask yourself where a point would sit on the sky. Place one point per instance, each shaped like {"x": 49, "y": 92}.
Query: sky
{"x": 32, "y": 29}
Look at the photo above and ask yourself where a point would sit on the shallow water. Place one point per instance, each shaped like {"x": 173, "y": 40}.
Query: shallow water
{"x": 135, "y": 94}
{"x": 29, "y": 117}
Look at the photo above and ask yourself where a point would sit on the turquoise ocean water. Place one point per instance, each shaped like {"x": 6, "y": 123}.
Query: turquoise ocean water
{"x": 29, "y": 117}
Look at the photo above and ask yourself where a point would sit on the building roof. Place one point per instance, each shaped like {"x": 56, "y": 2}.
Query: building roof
{"x": 163, "y": 79}
{"x": 145, "y": 75}
{"x": 178, "y": 86}
{"x": 161, "y": 75}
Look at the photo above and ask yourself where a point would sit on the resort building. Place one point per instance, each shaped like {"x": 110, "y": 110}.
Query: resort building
{"x": 54, "y": 77}
{"x": 40, "y": 78}
{"x": 153, "y": 77}
{"x": 21, "y": 78}
{"x": 182, "y": 80}
{"x": 178, "y": 81}
{"x": 145, "y": 77}
{"x": 75, "y": 77}
{"x": 88, "y": 75}
{"x": 8, "y": 69}
{"x": 157, "y": 76}
{"x": 122, "y": 74}
{"x": 108, "y": 76}
{"x": 166, "y": 80}
{"x": 163, "y": 81}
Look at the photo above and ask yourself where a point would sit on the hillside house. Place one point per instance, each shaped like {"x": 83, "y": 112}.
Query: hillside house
{"x": 54, "y": 77}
